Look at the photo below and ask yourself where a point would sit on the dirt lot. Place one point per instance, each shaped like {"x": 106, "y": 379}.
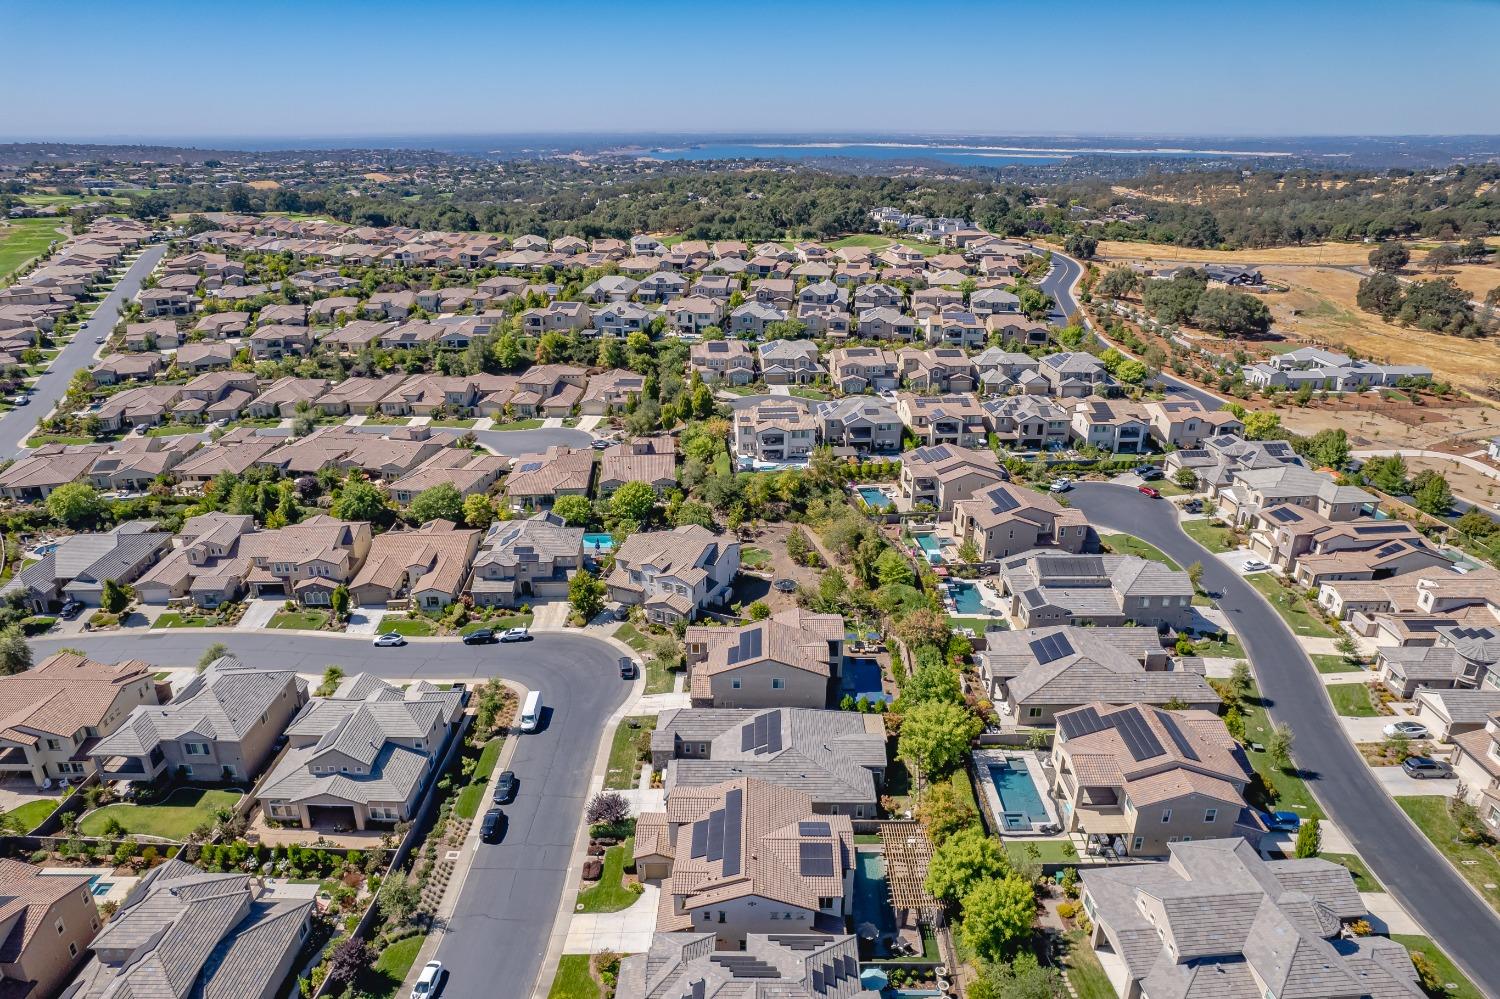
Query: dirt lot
{"x": 1335, "y": 254}
{"x": 1374, "y": 422}
{"x": 1463, "y": 480}
{"x": 749, "y": 588}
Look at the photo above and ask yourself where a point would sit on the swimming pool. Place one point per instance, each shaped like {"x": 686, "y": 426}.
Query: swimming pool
{"x": 1020, "y": 800}
{"x": 861, "y": 678}
{"x": 874, "y": 497}
{"x": 100, "y": 888}
{"x": 598, "y": 542}
{"x": 931, "y": 545}
{"x": 966, "y": 598}
{"x": 872, "y": 897}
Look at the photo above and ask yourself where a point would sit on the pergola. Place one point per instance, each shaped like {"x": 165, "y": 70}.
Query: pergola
{"x": 908, "y": 852}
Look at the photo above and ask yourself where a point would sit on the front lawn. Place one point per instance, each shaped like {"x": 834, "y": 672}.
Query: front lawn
{"x": 574, "y": 980}
{"x": 384, "y": 977}
{"x": 631, "y": 636}
{"x": 174, "y": 430}
{"x": 299, "y": 620}
{"x": 1126, "y": 544}
{"x": 175, "y": 818}
{"x": 28, "y": 816}
{"x": 1477, "y": 863}
{"x": 1302, "y": 619}
{"x": 500, "y": 622}
{"x": 624, "y": 756}
{"x": 1291, "y": 791}
{"x": 1229, "y": 648}
{"x": 1087, "y": 975}
{"x": 518, "y": 425}
{"x": 659, "y": 679}
{"x": 411, "y": 627}
{"x": 472, "y": 794}
{"x": 1459, "y": 986}
{"x": 804, "y": 392}
{"x": 610, "y": 894}
{"x": 176, "y": 619}
{"x": 1352, "y": 700}
{"x": 463, "y": 424}
{"x": 1363, "y": 879}
{"x": 1327, "y": 663}
{"x": 1215, "y": 539}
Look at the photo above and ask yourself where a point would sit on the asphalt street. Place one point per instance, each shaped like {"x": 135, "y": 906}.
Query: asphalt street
{"x": 49, "y": 389}
{"x": 1396, "y": 851}
{"x": 497, "y": 939}
{"x": 512, "y": 443}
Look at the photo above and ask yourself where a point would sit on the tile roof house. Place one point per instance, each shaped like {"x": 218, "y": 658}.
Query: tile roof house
{"x": 855, "y": 369}
{"x": 940, "y": 475}
{"x": 1141, "y": 778}
{"x": 1460, "y": 657}
{"x": 519, "y": 559}
{"x": 1075, "y": 375}
{"x": 775, "y": 430}
{"x": 943, "y": 419}
{"x": 652, "y": 460}
{"x": 610, "y": 391}
{"x": 46, "y": 922}
{"x": 746, "y": 857}
{"x": 749, "y": 320}
{"x": 362, "y": 755}
{"x": 674, "y": 574}
{"x": 182, "y": 933}
{"x": 730, "y": 361}
{"x": 789, "y": 362}
{"x": 1036, "y": 673}
{"x": 1027, "y": 422}
{"x": 205, "y": 565}
{"x": 942, "y": 369}
{"x": 865, "y": 424}
{"x": 221, "y": 726}
{"x": 424, "y": 567}
{"x": 536, "y": 480}
{"x": 306, "y": 561}
{"x": 789, "y": 659}
{"x": 1216, "y": 459}
{"x": 1253, "y": 490}
{"x": 52, "y": 714}
{"x": 1007, "y": 519}
{"x": 886, "y": 322}
{"x": 1049, "y": 587}
{"x": 836, "y": 757}
{"x": 1112, "y": 425}
{"x": 78, "y": 567}
{"x": 1187, "y": 423}
{"x": 1476, "y": 760}
{"x": 1217, "y": 920}
{"x": 622, "y": 318}
{"x": 778, "y": 964}
{"x": 469, "y": 472}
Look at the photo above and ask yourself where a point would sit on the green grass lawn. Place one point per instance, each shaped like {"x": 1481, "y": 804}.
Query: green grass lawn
{"x": 184, "y": 810}
{"x": 37, "y": 440}
{"x": 1292, "y": 793}
{"x": 299, "y": 620}
{"x": 464, "y": 423}
{"x": 472, "y": 794}
{"x": 659, "y": 679}
{"x": 28, "y": 816}
{"x": 866, "y": 240}
{"x": 1230, "y": 648}
{"x": 176, "y": 619}
{"x": 518, "y": 425}
{"x": 624, "y": 762}
{"x": 1125, "y": 544}
{"x": 574, "y": 980}
{"x": 610, "y": 894}
{"x": 500, "y": 622}
{"x": 1052, "y": 851}
{"x": 1084, "y": 970}
{"x": 1351, "y": 700}
{"x": 1460, "y": 987}
{"x": 807, "y": 392}
{"x": 1334, "y": 664}
{"x": 1363, "y": 879}
{"x": 411, "y": 627}
{"x": 979, "y": 624}
{"x": 1215, "y": 539}
{"x": 752, "y": 557}
{"x": 174, "y": 430}
{"x": 384, "y": 977}
{"x": 631, "y": 636}
{"x": 22, "y": 240}
{"x": 1478, "y": 864}
{"x": 1290, "y": 605}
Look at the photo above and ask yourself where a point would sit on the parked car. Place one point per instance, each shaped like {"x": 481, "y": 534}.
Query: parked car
{"x": 389, "y": 640}
{"x": 1152, "y": 472}
{"x": 1422, "y": 767}
{"x": 493, "y": 827}
{"x": 515, "y": 635}
{"x": 428, "y": 981}
{"x": 1405, "y": 730}
{"x": 1061, "y": 485}
{"x": 98, "y": 339}
{"x": 483, "y": 636}
{"x": 1148, "y": 491}
{"x": 71, "y": 609}
{"x": 600, "y": 445}
{"x": 505, "y": 787}
{"x": 627, "y": 668}
{"x": 1253, "y": 565}
{"x": 23, "y": 399}
{"x": 1281, "y": 821}
{"x": 1193, "y": 506}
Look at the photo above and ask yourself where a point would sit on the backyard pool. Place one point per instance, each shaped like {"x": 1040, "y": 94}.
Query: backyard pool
{"x": 1020, "y": 802}
{"x": 99, "y": 887}
{"x": 598, "y": 542}
{"x": 966, "y": 598}
{"x": 861, "y": 678}
{"x": 872, "y": 896}
{"x": 931, "y": 546}
{"x": 874, "y": 497}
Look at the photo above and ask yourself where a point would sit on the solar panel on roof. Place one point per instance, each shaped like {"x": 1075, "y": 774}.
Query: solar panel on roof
{"x": 773, "y": 732}
{"x": 1001, "y": 500}
{"x": 715, "y": 835}
{"x": 1178, "y": 737}
{"x": 1139, "y": 740}
{"x": 700, "y": 838}
{"x": 747, "y": 737}
{"x": 734, "y": 808}
{"x": 1083, "y": 721}
{"x": 1051, "y": 648}
{"x": 1281, "y": 514}
{"x": 813, "y": 829}
{"x": 816, "y": 860}
{"x": 817, "y": 980}
{"x": 530, "y": 466}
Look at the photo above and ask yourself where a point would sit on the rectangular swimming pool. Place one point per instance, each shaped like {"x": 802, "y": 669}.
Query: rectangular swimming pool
{"x": 598, "y": 542}
{"x": 1019, "y": 797}
{"x": 874, "y": 497}
{"x": 862, "y": 678}
{"x": 931, "y": 547}
{"x": 966, "y": 598}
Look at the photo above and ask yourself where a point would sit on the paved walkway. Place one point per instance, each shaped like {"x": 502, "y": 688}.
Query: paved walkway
{"x": 552, "y": 423}
{"x": 625, "y": 932}
{"x": 550, "y": 616}
{"x": 1387, "y": 916}
{"x": 590, "y": 422}
{"x": 258, "y": 614}
{"x": 364, "y": 620}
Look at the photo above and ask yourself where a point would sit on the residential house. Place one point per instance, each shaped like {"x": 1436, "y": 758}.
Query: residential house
{"x": 622, "y": 318}
{"x": 47, "y": 919}
{"x": 789, "y": 362}
{"x": 864, "y": 424}
{"x": 216, "y": 395}
{"x": 1017, "y": 330}
{"x": 940, "y": 475}
{"x": 885, "y": 322}
{"x": 1460, "y": 658}
{"x": 1028, "y": 422}
{"x": 306, "y": 561}
{"x": 1217, "y": 459}
{"x": 1003, "y": 372}
{"x": 523, "y": 559}
{"x": 943, "y": 369}
{"x": 536, "y": 480}
{"x": 674, "y": 574}
{"x": 652, "y": 460}
{"x": 729, "y": 361}
{"x": 424, "y": 568}
{"x": 750, "y": 319}
{"x": 1476, "y": 762}
{"x": 873, "y": 296}
{"x": 790, "y": 659}
{"x": 217, "y": 325}
{"x": 284, "y": 396}
{"x": 562, "y": 317}
{"x": 1111, "y": 425}
{"x": 1075, "y": 375}
{"x": 611, "y": 288}
{"x": 943, "y": 419}
{"x": 81, "y": 563}
{"x": 469, "y": 472}
{"x": 118, "y": 368}
{"x": 691, "y": 316}
{"x": 1187, "y": 423}
{"x": 1007, "y": 519}
{"x": 610, "y": 391}
{"x": 206, "y": 566}
{"x": 662, "y": 287}
{"x": 860, "y": 369}
{"x": 269, "y": 343}
{"x": 1255, "y": 489}
{"x": 987, "y": 302}
{"x": 955, "y": 327}
{"x": 686, "y": 964}
{"x": 778, "y": 430}
{"x": 138, "y": 407}
{"x": 1048, "y": 588}
{"x": 196, "y": 358}
{"x": 1328, "y": 371}
{"x": 1451, "y": 713}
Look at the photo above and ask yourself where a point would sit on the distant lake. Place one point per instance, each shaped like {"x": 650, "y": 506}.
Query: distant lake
{"x": 960, "y": 154}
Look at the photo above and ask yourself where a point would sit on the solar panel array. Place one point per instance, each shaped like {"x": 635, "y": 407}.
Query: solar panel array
{"x": 1139, "y": 740}
{"x": 717, "y": 836}
{"x": 1051, "y": 648}
{"x": 816, "y": 860}
{"x": 1282, "y": 514}
{"x": 761, "y": 734}
{"x": 1002, "y": 500}
{"x": 745, "y": 966}
{"x": 749, "y": 647}
{"x": 530, "y": 466}
{"x": 814, "y": 829}
{"x": 1178, "y": 737}
{"x": 1083, "y": 721}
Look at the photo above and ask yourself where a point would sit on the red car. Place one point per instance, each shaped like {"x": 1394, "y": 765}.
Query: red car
{"x": 1153, "y": 493}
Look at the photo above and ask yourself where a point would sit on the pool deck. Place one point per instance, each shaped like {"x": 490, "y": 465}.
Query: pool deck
{"x": 984, "y": 757}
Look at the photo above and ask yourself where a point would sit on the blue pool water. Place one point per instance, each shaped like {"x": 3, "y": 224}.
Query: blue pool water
{"x": 872, "y": 898}
{"x": 966, "y": 598}
{"x": 598, "y": 542}
{"x": 861, "y": 678}
{"x": 1018, "y": 792}
{"x": 874, "y": 497}
{"x": 931, "y": 546}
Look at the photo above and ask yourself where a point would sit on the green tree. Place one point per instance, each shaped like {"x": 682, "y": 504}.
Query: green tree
{"x": 1475, "y": 523}
{"x": 217, "y": 650}
{"x": 1348, "y": 648}
{"x": 634, "y": 501}
{"x": 1195, "y": 575}
{"x": 758, "y": 611}
{"x": 1118, "y": 283}
{"x": 358, "y": 499}
{"x": 1386, "y": 474}
{"x": 1262, "y": 425}
{"x": 892, "y": 569}
{"x": 1328, "y": 448}
{"x": 1186, "y": 478}
{"x": 934, "y": 680}
{"x": 924, "y": 627}
{"x": 440, "y": 502}
{"x": 1022, "y": 978}
{"x": 1381, "y": 294}
{"x": 1430, "y": 492}
{"x": 332, "y": 675}
{"x": 1309, "y": 839}
{"x": 478, "y": 511}
{"x": 1080, "y": 245}
{"x": 998, "y": 914}
{"x": 15, "y": 653}
{"x": 963, "y": 859}
{"x": 586, "y": 593}
{"x": 76, "y": 505}
{"x": 1389, "y": 257}
{"x": 693, "y": 512}
{"x": 574, "y": 510}
{"x": 945, "y": 810}
{"x": 1240, "y": 682}
{"x": 1231, "y": 313}
{"x": 338, "y": 602}
{"x": 1131, "y": 372}
{"x": 935, "y": 736}
{"x": 114, "y": 597}
{"x": 1279, "y": 746}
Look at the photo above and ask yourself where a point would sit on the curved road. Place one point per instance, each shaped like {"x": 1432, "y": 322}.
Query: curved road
{"x": 1396, "y": 851}
{"x": 79, "y": 352}
{"x": 499, "y": 931}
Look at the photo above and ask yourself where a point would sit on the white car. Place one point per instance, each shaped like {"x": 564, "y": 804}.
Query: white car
{"x": 1254, "y": 565}
{"x": 1061, "y": 485}
{"x": 515, "y": 635}
{"x": 389, "y": 640}
{"x": 1405, "y": 730}
{"x": 427, "y": 983}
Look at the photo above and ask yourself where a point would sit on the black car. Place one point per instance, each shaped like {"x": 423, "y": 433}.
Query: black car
{"x": 627, "y": 668}
{"x": 505, "y": 787}
{"x": 493, "y": 827}
{"x": 71, "y": 609}
{"x": 483, "y": 636}
{"x": 1151, "y": 472}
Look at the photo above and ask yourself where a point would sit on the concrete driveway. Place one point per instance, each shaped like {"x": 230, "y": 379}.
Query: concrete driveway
{"x": 1236, "y": 560}
{"x": 258, "y": 614}
{"x": 1395, "y": 780}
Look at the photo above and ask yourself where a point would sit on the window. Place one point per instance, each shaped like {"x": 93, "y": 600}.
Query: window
{"x": 195, "y": 748}
{"x": 721, "y": 915}
{"x": 778, "y": 684}
{"x": 1137, "y": 843}
{"x": 734, "y": 684}
{"x": 72, "y": 949}
{"x": 60, "y": 927}
{"x": 1033, "y": 712}
{"x": 1166, "y": 815}
{"x": 1210, "y": 815}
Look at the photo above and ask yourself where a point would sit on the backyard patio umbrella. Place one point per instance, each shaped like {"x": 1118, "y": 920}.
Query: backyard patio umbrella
{"x": 873, "y": 979}
{"x": 867, "y": 931}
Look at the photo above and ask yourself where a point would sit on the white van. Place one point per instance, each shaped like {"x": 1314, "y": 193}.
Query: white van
{"x": 531, "y": 711}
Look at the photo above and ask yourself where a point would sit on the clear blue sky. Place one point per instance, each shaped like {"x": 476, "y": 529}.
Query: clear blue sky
{"x": 85, "y": 69}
